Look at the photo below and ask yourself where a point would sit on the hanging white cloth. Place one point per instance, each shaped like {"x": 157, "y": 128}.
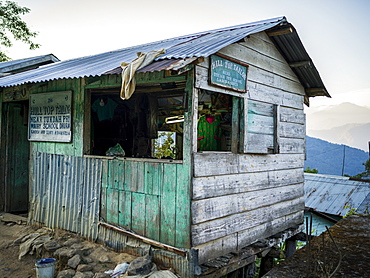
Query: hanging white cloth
{"x": 129, "y": 70}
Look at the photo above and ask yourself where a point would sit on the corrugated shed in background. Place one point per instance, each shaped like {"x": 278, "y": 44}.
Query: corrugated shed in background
{"x": 335, "y": 195}
{"x": 27, "y": 63}
{"x": 66, "y": 193}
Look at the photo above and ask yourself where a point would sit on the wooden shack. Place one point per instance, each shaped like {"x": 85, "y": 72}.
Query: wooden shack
{"x": 202, "y": 161}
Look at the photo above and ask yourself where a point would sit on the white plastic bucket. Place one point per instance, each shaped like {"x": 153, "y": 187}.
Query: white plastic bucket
{"x": 45, "y": 268}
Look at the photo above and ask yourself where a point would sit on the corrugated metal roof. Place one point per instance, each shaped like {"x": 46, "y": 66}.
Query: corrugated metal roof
{"x": 291, "y": 47}
{"x": 200, "y": 44}
{"x": 21, "y": 64}
{"x": 335, "y": 195}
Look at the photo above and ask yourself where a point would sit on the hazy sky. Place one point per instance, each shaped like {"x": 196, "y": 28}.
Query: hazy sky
{"x": 334, "y": 32}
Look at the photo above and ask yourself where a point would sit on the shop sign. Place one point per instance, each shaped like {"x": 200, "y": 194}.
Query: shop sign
{"x": 15, "y": 95}
{"x": 228, "y": 73}
{"x": 50, "y": 117}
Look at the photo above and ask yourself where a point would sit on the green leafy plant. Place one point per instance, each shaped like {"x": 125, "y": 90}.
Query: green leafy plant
{"x": 12, "y": 27}
{"x": 312, "y": 171}
{"x": 365, "y": 174}
{"x": 353, "y": 211}
{"x": 164, "y": 146}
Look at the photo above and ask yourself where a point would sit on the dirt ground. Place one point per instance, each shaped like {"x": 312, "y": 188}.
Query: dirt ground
{"x": 13, "y": 228}
{"x": 10, "y": 266}
{"x": 345, "y": 252}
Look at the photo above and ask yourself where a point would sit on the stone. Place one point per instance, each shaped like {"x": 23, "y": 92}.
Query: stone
{"x": 87, "y": 260}
{"x": 52, "y": 245}
{"x": 101, "y": 275}
{"x": 77, "y": 246}
{"x": 65, "y": 255}
{"x": 104, "y": 259}
{"x": 74, "y": 261}
{"x": 86, "y": 251}
{"x": 71, "y": 241}
{"x": 60, "y": 250}
{"x": 84, "y": 275}
{"x": 140, "y": 266}
{"x": 84, "y": 268}
{"x": 68, "y": 273}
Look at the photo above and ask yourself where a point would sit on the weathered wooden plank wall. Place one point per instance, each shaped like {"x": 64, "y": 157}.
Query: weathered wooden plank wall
{"x": 240, "y": 198}
{"x": 148, "y": 198}
{"x": 75, "y": 147}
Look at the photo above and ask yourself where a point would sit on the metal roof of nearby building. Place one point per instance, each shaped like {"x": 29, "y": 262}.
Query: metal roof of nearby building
{"x": 336, "y": 195}
{"x": 19, "y": 65}
{"x": 201, "y": 44}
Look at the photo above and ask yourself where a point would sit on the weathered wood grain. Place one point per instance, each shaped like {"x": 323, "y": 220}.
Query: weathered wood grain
{"x": 218, "y": 207}
{"x": 235, "y": 242}
{"x": 255, "y": 77}
{"x": 292, "y": 130}
{"x": 208, "y": 164}
{"x": 217, "y": 248}
{"x": 263, "y": 44}
{"x": 291, "y": 115}
{"x": 256, "y": 163}
{"x": 125, "y": 209}
{"x": 259, "y": 143}
{"x": 249, "y": 236}
{"x": 207, "y": 187}
{"x": 292, "y": 146}
{"x": 218, "y": 228}
{"x": 152, "y": 217}
{"x": 183, "y": 206}
{"x": 138, "y": 208}
{"x": 254, "y": 57}
{"x": 168, "y": 203}
{"x": 112, "y": 205}
{"x": 261, "y": 92}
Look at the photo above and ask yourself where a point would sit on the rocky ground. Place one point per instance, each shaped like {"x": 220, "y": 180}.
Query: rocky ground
{"x": 22, "y": 245}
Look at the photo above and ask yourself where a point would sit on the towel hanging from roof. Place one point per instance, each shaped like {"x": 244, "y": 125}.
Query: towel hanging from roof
{"x": 129, "y": 69}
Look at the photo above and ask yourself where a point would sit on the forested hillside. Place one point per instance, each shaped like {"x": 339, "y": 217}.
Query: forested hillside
{"x": 328, "y": 158}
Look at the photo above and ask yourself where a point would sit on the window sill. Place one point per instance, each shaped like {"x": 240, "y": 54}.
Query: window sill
{"x": 138, "y": 159}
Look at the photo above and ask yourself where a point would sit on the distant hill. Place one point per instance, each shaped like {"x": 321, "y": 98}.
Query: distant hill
{"x": 346, "y": 123}
{"x": 337, "y": 115}
{"x": 328, "y": 157}
{"x": 354, "y": 135}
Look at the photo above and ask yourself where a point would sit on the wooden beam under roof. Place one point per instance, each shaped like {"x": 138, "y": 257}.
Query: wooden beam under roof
{"x": 312, "y": 92}
{"x": 279, "y": 32}
{"x": 300, "y": 64}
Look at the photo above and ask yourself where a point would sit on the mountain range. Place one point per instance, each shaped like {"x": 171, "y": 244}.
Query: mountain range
{"x": 334, "y": 159}
{"x": 346, "y": 123}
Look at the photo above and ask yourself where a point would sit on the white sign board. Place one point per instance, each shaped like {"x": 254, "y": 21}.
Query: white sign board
{"x": 50, "y": 117}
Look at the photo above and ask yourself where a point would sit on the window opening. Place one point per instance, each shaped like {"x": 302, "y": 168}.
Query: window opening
{"x": 132, "y": 128}
{"x": 214, "y": 122}
{"x": 165, "y": 145}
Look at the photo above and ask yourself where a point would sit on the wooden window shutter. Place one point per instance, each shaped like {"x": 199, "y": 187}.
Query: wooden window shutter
{"x": 261, "y": 131}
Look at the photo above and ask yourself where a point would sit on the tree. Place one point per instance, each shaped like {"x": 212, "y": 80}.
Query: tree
{"x": 312, "y": 171}
{"x": 11, "y": 25}
{"x": 365, "y": 174}
{"x": 166, "y": 148}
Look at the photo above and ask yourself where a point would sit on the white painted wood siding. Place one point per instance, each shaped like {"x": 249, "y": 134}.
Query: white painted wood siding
{"x": 240, "y": 198}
